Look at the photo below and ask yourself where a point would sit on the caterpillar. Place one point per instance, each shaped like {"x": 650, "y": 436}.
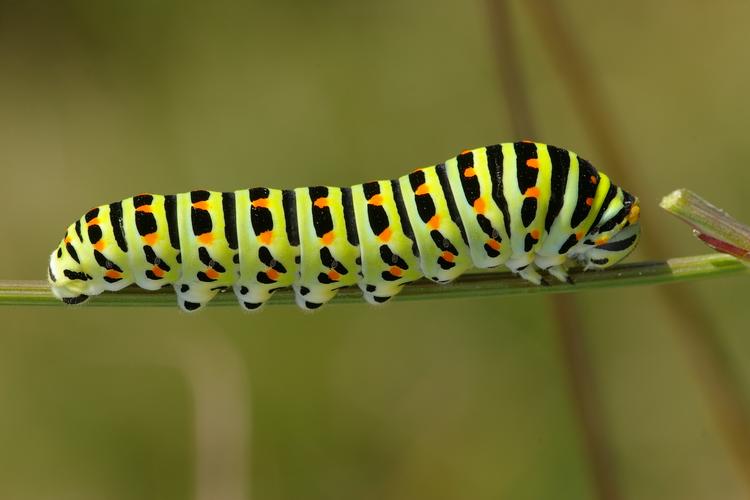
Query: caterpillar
{"x": 525, "y": 205}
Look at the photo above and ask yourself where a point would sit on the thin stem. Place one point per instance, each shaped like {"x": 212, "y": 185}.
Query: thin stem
{"x": 485, "y": 284}
{"x": 587, "y": 402}
{"x": 510, "y": 70}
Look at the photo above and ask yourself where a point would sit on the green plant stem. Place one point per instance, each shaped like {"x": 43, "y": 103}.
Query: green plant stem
{"x": 713, "y": 225}
{"x": 484, "y": 284}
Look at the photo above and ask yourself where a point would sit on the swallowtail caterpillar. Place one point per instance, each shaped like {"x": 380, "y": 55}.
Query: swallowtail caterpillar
{"x": 525, "y": 205}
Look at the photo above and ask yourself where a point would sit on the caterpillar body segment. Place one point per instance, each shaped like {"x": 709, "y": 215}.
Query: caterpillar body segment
{"x": 329, "y": 249}
{"x": 385, "y": 229}
{"x": 530, "y": 207}
{"x": 271, "y": 238}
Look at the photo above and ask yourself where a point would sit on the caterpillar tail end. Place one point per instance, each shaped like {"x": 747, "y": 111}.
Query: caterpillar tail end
{"x": 68, "y": 287}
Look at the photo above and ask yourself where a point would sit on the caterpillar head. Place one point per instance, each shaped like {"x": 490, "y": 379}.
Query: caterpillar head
{"x": 68, "y": 280}
{"x": 616, "y": 234}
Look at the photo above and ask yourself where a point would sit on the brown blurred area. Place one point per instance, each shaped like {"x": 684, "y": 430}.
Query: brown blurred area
{"x": 440, "y": 400}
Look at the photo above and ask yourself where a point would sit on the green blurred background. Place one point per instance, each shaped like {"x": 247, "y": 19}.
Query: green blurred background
{"x": 441, "y": 400}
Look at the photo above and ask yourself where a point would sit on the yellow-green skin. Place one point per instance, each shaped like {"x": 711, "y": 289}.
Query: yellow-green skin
{"x": 524, "y": 205}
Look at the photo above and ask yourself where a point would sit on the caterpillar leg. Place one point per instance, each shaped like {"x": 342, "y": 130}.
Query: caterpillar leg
{"x": 561, "y": 273}
{"x": 554, "y": 265}
{"x": 524, "y": 267}
{"x": 379, "y": 294}
{"x": 530, "y": 273}
{"x": 310, "y": 298}
{"x": 193, "y": 297}
{"x": 250, "y": 297}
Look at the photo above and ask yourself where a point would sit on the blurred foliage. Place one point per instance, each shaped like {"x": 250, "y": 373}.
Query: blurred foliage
{"x": 101, "y": 100}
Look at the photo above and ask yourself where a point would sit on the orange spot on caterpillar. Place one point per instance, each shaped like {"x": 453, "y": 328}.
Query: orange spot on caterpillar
{"x": 535, "y": 234}
{"x": 321, "y": 202}
{"x": 422, "y": 189}
{"x": 211, "y": 273}
{"x": 66, "y": 240}
{"x": 470, "y": 172}
{"x": 113, "y": 274}
{"x": 262, "y": 203}
{"x": 327, "y": 238}
{"x": 158, "y": 271}
{"x": 602, "y": 240}
{"x": 151, "y": 238}
{"x": 144, "y": 208}
{"x": 494, "y": 244}
{"x": 589, "y": 201}
{"x": 634, "y": 214}
{"x": 434, "y": 222}
{"x": 527, "y": 141}
{"x": 266, "y": 237}
{"x": 206, "y": 238}
{"x": 99, "y": 245}
{"x": 376, "y": 199}
{"x": 532, "y": 163}
{"x": 593, "y": 179}
{"x": 201, "y": 205}
{"x": 479, "y": 206}
{"x": 465, "y": 151}
{"x": 532, "y": 192}
{"x": 448, "y": 256}
{"x": 333, "y": 275}
{"x": 272, "y": 274}
{"x": 93, "y": 222}
{"x": 385, "y": 236}
{"x": 579, "y": 235}
{"x": 396, "y": 271}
